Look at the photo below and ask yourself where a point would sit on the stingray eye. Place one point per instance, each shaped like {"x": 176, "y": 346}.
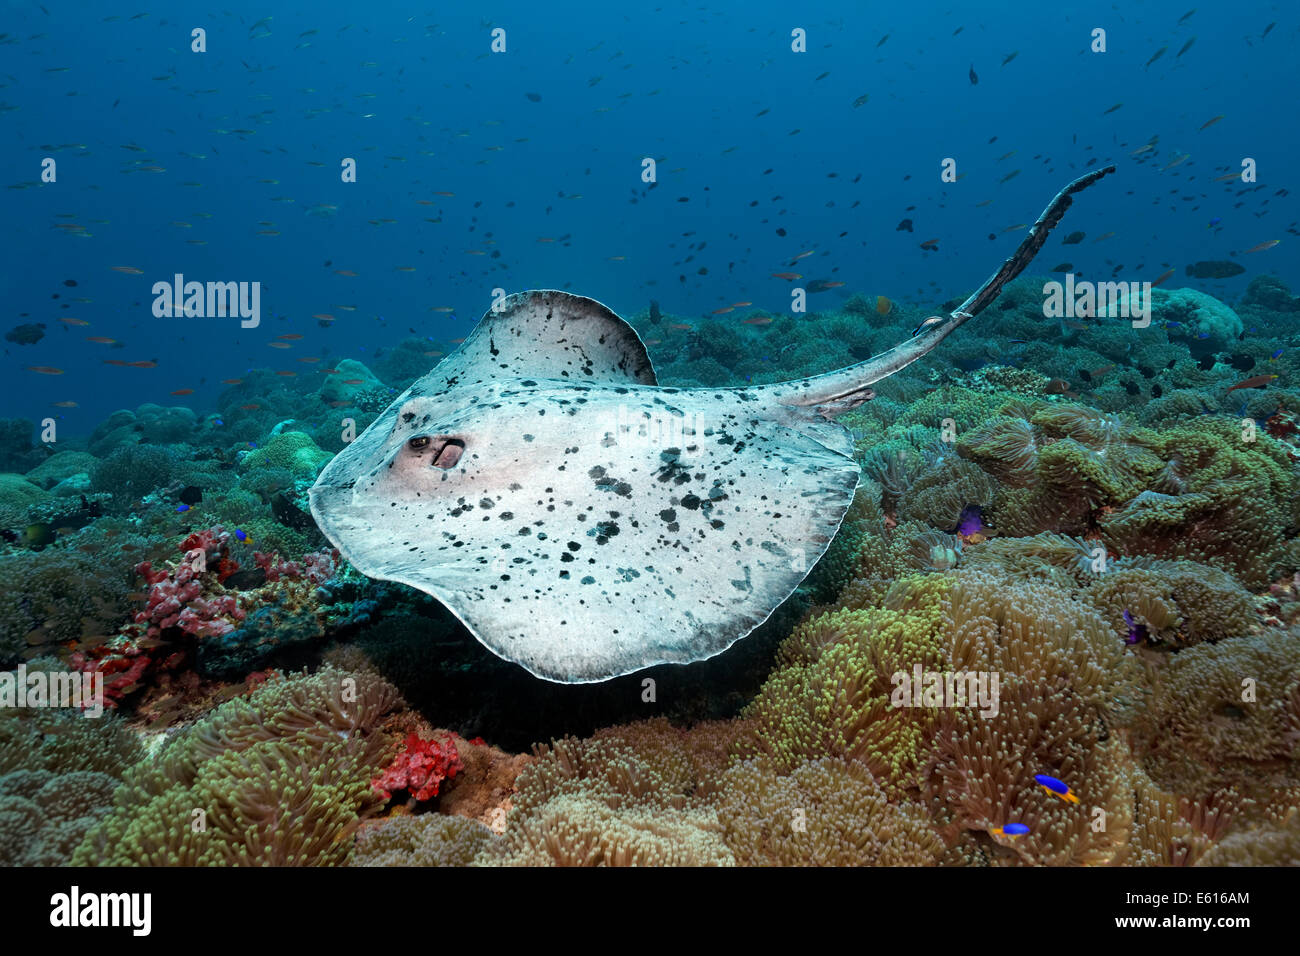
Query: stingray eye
{"x": 419, "y": 444}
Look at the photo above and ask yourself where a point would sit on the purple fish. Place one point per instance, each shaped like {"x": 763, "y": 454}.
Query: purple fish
{"x": 970, "y": 521}
{"x": 1136, "y": 632}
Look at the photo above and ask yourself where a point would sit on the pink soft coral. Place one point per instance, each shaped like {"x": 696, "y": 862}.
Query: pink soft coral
{"x": 420, "y": 768}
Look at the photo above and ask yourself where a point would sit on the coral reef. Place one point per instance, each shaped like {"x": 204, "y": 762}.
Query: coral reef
{"x": 1072, "y": 560}
{"x": 271, "y": 780}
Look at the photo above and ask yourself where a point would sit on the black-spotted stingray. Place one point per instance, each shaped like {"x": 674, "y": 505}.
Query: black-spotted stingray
{"x": 583, "y": 520}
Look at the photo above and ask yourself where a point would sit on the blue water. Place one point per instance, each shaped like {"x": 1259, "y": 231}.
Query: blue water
{"x": 419, "y": 100}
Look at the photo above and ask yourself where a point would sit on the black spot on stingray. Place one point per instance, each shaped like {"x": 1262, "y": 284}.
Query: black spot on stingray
{"x": 486, "y": 503}
{"x": 597, "y": 472}
{"x": 506, "y": 515}
{"x": 408, "y": 416}
{"x": 565, "y": 557}
{"x": 668, "y": 514}
{"x": 588, "y": 580}
{"x": 691, "y": 502}
{"x": 574, "y": 546}
{"x": 528, "y": 381}
{"x": 603, "y": 531}
{"x": 717, "y": 525}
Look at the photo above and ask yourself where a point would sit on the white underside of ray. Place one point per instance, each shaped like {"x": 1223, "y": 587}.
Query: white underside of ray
{"x": 587, "y": 541}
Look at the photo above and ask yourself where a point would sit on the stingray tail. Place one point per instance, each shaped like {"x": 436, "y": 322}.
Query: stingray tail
{"x": 837, "y": 392}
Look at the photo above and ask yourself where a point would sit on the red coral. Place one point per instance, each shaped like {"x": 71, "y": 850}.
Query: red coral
{"x": 420, "y": 768}
{"x": 175, "y": 594}
{"x": 317, "y": 567}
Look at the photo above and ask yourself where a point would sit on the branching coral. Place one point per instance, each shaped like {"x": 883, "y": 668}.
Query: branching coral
{"x": 982, "y": 778}
{"x": 599, "y": 802}
{"x": 271, "y": 780}
{"x": 939, "y": 495}
{"x": 430, "y": 839}
{"x": 1005, "y": 447}
{"x": 44, "y": 815}
{"x": 1225, "y": 714}
{"x": 828, "y": 812}
{"x": 1269, "y": 845}
{"x": 1178, "y": 602}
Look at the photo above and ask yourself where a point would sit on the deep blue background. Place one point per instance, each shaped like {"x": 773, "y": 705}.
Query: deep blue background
{"x": 617, "y": 82}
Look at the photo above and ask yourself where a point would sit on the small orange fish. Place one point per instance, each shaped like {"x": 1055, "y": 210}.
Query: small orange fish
{"x": 760, "y": 320}
{"x": 142, "y": 364}
{"x": 354, "y": 381}
{"x": 45, "y": 369}
{"x": 1104, "y": 235}
{"x": 70, "y": 321}
{"x": 101, "y": 339}
{"x": 279, "y": 345}
{"x": 787, "y": 276}
{"x": 1255, "y": 381}
{"x": 1164, "y": 276}
{"x": 444, "y": 194}
{"x": 64, "y": 404}
{"x": 883, "y": 305}
{"x": 1210, "y": 122}
{"x": 618, "y": 258}
{"x": 323, "y": 316}
{"x": 723, "y": 311}
{"x": 183, "y": 391}
{"x": 346, "y": 272}
{"x": 740, "y": 305}
{"x": 442, "y": 308}
{"x": 310, "y": 359}
{"x": 338, "y": 404}
{"x": 129, "y": 270}
{"x": 803, "y": 255}
{"x": 232, "y": 381}
{"x": 286, "y": 374}
{"x": 114, "y": 362}
{"x": 406, "y": 268}
{"x": 930, "y": 245}
{"x": 680, "y": 327}
{"x": 1263, "y": 245}
{"x": 457, "y": 341}
{"x": 289, "y": 336}
{"x": 251, "y": 407}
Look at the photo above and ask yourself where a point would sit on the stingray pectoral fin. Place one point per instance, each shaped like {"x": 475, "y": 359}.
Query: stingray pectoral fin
{"x": 586, "y": 554}
{"x": 546, "y": 334}
{"x": 649, "y": 595}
